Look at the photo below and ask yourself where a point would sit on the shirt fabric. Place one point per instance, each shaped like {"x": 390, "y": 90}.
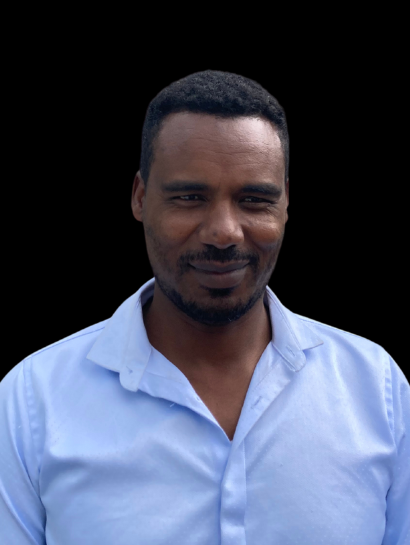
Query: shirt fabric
{"x": 105, "y": 442}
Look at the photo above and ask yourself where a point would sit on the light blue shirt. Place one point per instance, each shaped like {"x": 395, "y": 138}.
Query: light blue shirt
{"x": 105, "y": 442}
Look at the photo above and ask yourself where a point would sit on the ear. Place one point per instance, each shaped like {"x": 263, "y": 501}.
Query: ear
{"x": 287, "y": 198}
{"x": 138, "y": 196}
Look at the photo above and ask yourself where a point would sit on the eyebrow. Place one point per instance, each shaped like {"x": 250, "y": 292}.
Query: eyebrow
{"x": 262, "y": 188}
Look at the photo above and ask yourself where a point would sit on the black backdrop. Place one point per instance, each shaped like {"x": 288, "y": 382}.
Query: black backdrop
{"x": 73, "y": 251}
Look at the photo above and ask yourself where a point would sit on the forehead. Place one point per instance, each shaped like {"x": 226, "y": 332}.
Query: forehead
{"x": 192, "y": 133}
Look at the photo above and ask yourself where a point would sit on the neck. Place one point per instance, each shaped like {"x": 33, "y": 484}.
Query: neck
{"x": 195, "y": 347}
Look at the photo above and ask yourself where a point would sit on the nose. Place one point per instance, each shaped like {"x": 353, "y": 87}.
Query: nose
{"x": 221, "y": 227}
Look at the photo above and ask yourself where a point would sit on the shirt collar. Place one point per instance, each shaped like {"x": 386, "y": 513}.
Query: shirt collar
{"x": 123, "y": 345}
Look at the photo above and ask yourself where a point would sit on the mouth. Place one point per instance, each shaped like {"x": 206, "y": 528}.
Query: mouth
{"x": 215, "y": 268}
{"x": 213, "y": 277}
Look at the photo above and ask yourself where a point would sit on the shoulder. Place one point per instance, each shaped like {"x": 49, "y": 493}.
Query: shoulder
{"x": 74, "y": 341}
{"x": 353, "y": 356}
{"x": 350, "y": 358}
{"x": 59, "y": 356}
{"x": 342, "y": 339}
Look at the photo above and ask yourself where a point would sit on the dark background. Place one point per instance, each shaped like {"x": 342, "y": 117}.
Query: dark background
{"x": 73, "y": 250}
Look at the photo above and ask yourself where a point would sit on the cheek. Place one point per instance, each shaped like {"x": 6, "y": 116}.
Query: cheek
{"x": 157, "y": 247}
{"x": 174, "y": 229}
{"x": 162, "y": 238}
{"x": 266, "y": 234}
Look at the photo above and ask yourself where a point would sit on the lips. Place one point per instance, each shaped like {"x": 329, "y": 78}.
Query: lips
{"x": 215, "y": 268}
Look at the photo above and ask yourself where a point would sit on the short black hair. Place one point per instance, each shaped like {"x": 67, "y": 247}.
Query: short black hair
{"x": 212, "y": 92}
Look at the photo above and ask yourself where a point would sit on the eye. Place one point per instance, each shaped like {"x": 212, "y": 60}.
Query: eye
{"x": 183, "y": 197}
{"x": 257, "y": 200}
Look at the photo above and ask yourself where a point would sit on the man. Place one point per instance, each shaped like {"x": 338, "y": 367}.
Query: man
{"x": 204, "y": 412}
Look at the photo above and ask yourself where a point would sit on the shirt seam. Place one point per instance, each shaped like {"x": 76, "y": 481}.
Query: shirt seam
{"x": 29, "y": 400}
{"x": 388, "y": 399}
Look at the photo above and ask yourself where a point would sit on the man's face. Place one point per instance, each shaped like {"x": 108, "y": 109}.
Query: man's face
{"x": 221, "y": 223}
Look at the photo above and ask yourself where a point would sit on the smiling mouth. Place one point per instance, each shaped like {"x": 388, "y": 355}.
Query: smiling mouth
{"x": 214, "y": 268}
{"x": 217, "y": 273}
{"x": 220, "y": 279}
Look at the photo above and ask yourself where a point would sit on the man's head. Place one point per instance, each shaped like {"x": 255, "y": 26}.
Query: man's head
{"x": 212, "y": 92}
{"x": 224, "y": 133}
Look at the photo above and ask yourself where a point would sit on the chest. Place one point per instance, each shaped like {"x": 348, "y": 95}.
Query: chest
{"x": 224, "y": 400}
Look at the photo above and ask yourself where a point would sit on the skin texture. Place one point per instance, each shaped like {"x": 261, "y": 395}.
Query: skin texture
{"x": 214, "y": 336}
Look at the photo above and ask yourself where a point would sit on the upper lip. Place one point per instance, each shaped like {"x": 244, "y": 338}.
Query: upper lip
{"x": 214, "y": 267}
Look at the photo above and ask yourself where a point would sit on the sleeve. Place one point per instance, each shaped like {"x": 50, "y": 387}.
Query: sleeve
{"x": 398, "y": 497}
{"x": 22, "y": 514}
